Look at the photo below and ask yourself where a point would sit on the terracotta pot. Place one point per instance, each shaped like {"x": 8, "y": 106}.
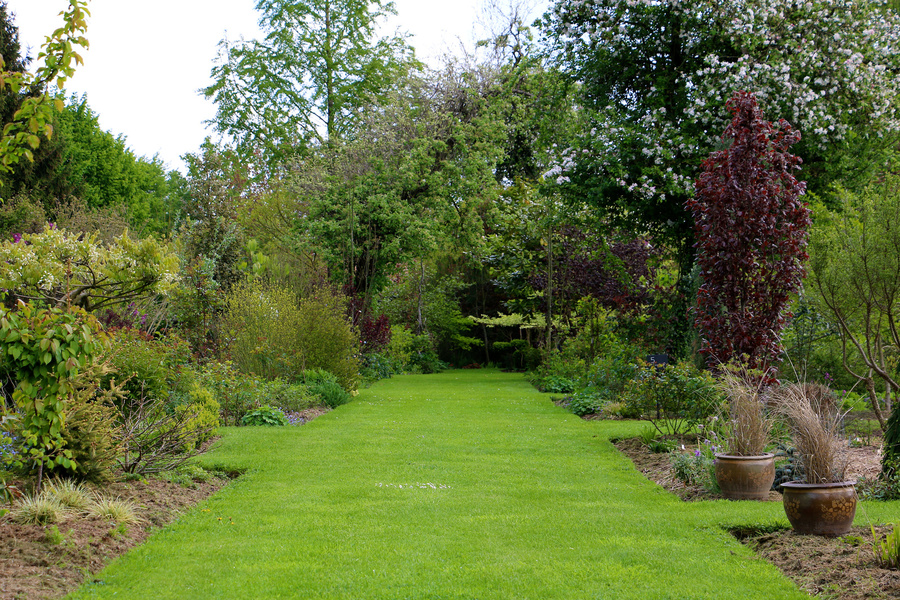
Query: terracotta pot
{"x": 820, "y": 508}
{"x": 745, "y": 477}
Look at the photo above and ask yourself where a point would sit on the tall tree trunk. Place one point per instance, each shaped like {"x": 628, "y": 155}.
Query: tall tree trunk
{"x": 420, "y": 318}
{"x": 550, "y": 288}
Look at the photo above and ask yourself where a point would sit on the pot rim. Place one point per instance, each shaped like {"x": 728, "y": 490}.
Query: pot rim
{"x": 742, "y": 457}
{"x": 805, "y": 486}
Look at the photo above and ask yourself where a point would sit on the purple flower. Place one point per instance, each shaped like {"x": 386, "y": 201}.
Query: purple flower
{"x": 17, "y": 237}
{"x": 697, "y": 453}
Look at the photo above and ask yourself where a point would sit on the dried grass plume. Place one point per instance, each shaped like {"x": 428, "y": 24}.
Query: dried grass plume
{"x": 749, "y": 423}
{"x": 815, "y": 421}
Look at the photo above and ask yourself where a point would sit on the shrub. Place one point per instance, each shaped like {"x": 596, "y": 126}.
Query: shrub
{"x": 21, "y": 214}
{"x": 375, "y": 366}
{"x": 235, "y": 392}
{"x": 891, "y": 458}
{"x": 149, "y": 366}
{"x": 556, "y": 384}
{"x": 427, "y": 362}
{"x": 331, "y": 394}
{"x": 44, "y": 350}
{"x": 883, "y": 487}
{"x": 156, "y": 438}
{"x": 607, "y": 376}
{"x": 266, "y": 415}
{"x": 400, "y": 348}
{"x": 92, "y": 435}
{"x": 673, "y": 398}
{"x": 586, "y": 403}
{"x": 199, "y": 417}
{"x": 325, "y": 386}
{"x": 326, "y": 339}
{"x": 558, "y": 373}
{"x": 272, "y": 334}
{"x": 289, "y": 397}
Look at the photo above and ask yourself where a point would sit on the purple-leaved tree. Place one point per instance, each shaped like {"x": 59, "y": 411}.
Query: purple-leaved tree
{"x": 751, "y": 228}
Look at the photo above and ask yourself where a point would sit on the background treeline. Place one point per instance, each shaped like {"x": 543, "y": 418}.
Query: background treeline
{"x": 522, "y": 204}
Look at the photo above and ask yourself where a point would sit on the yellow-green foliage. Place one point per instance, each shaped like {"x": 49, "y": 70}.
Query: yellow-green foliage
{"x": 400, "y": 348}
{"x": 201, "y": 413}
{"x": 92, "y": 432}
{"x": 273, "y": 334}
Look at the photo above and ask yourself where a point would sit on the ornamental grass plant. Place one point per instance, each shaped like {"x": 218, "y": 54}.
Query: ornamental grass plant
{"x": 749, "y": 423}
{"x": 815, "y": 420}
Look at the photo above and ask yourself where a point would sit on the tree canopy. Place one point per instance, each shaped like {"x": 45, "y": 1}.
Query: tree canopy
{"x": 654, "y": 76}
{"x": 307, "y": 80}
{"x": 34, "y": 115}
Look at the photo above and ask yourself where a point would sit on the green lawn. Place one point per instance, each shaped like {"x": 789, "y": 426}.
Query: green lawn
{"x": 466, "y": 484}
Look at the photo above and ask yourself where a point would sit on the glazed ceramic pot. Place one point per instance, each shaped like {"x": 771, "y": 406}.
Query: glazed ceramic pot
{"x": 745, "y": 477}
{"x": 820, "y": 508}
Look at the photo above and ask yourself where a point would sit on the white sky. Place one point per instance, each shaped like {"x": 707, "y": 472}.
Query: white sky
{"x": 147, "y": 59}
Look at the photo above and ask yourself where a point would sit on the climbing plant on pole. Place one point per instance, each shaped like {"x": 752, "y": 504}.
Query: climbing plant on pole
{"x": 752, "y": 229}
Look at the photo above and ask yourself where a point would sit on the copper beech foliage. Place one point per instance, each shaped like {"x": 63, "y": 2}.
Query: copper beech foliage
{"x": 751, "y": 229}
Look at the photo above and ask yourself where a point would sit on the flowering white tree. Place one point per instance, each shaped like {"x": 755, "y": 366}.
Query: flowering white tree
{"x": 655, "y": 75}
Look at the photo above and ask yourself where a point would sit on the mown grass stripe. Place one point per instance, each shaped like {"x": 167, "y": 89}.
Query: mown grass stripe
{"x": 466, "y": 484}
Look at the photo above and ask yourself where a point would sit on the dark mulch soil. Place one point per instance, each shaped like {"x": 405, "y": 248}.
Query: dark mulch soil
{"x": 840, "y": 568}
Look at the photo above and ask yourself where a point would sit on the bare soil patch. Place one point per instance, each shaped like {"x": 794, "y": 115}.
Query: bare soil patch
{"x": 48, "y": 561}
{"x": 840, "y": 568}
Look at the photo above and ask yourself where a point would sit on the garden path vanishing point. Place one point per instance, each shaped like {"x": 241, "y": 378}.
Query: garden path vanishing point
{"x": 462, "y": 485}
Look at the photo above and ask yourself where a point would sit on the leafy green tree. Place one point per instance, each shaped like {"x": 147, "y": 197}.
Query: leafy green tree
{"x": 210, "y": 230}
{"x": 305, "y": 82}
{"x": 10, "y": 50}
{"x": 81, "y": 164}
{"x": 855, "y": 280}
{"x": 34, "y": 115}
{"x": 418, "y": 175}
{"x": 532, "y": 98}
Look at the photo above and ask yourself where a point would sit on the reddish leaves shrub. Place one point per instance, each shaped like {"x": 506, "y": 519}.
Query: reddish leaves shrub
{"x": 751, "y": 238}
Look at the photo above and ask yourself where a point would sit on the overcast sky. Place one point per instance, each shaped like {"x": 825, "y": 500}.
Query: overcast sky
{"x": 147, "y": 59}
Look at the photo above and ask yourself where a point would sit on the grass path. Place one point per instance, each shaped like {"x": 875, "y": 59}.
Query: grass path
{"x": 463, "y": 485}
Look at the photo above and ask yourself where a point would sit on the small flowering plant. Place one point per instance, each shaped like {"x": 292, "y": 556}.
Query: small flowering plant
{"x": 697, "y": 467}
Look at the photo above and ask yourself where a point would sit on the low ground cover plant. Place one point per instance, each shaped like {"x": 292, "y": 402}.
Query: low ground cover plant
{"x": 265, "y": 415}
